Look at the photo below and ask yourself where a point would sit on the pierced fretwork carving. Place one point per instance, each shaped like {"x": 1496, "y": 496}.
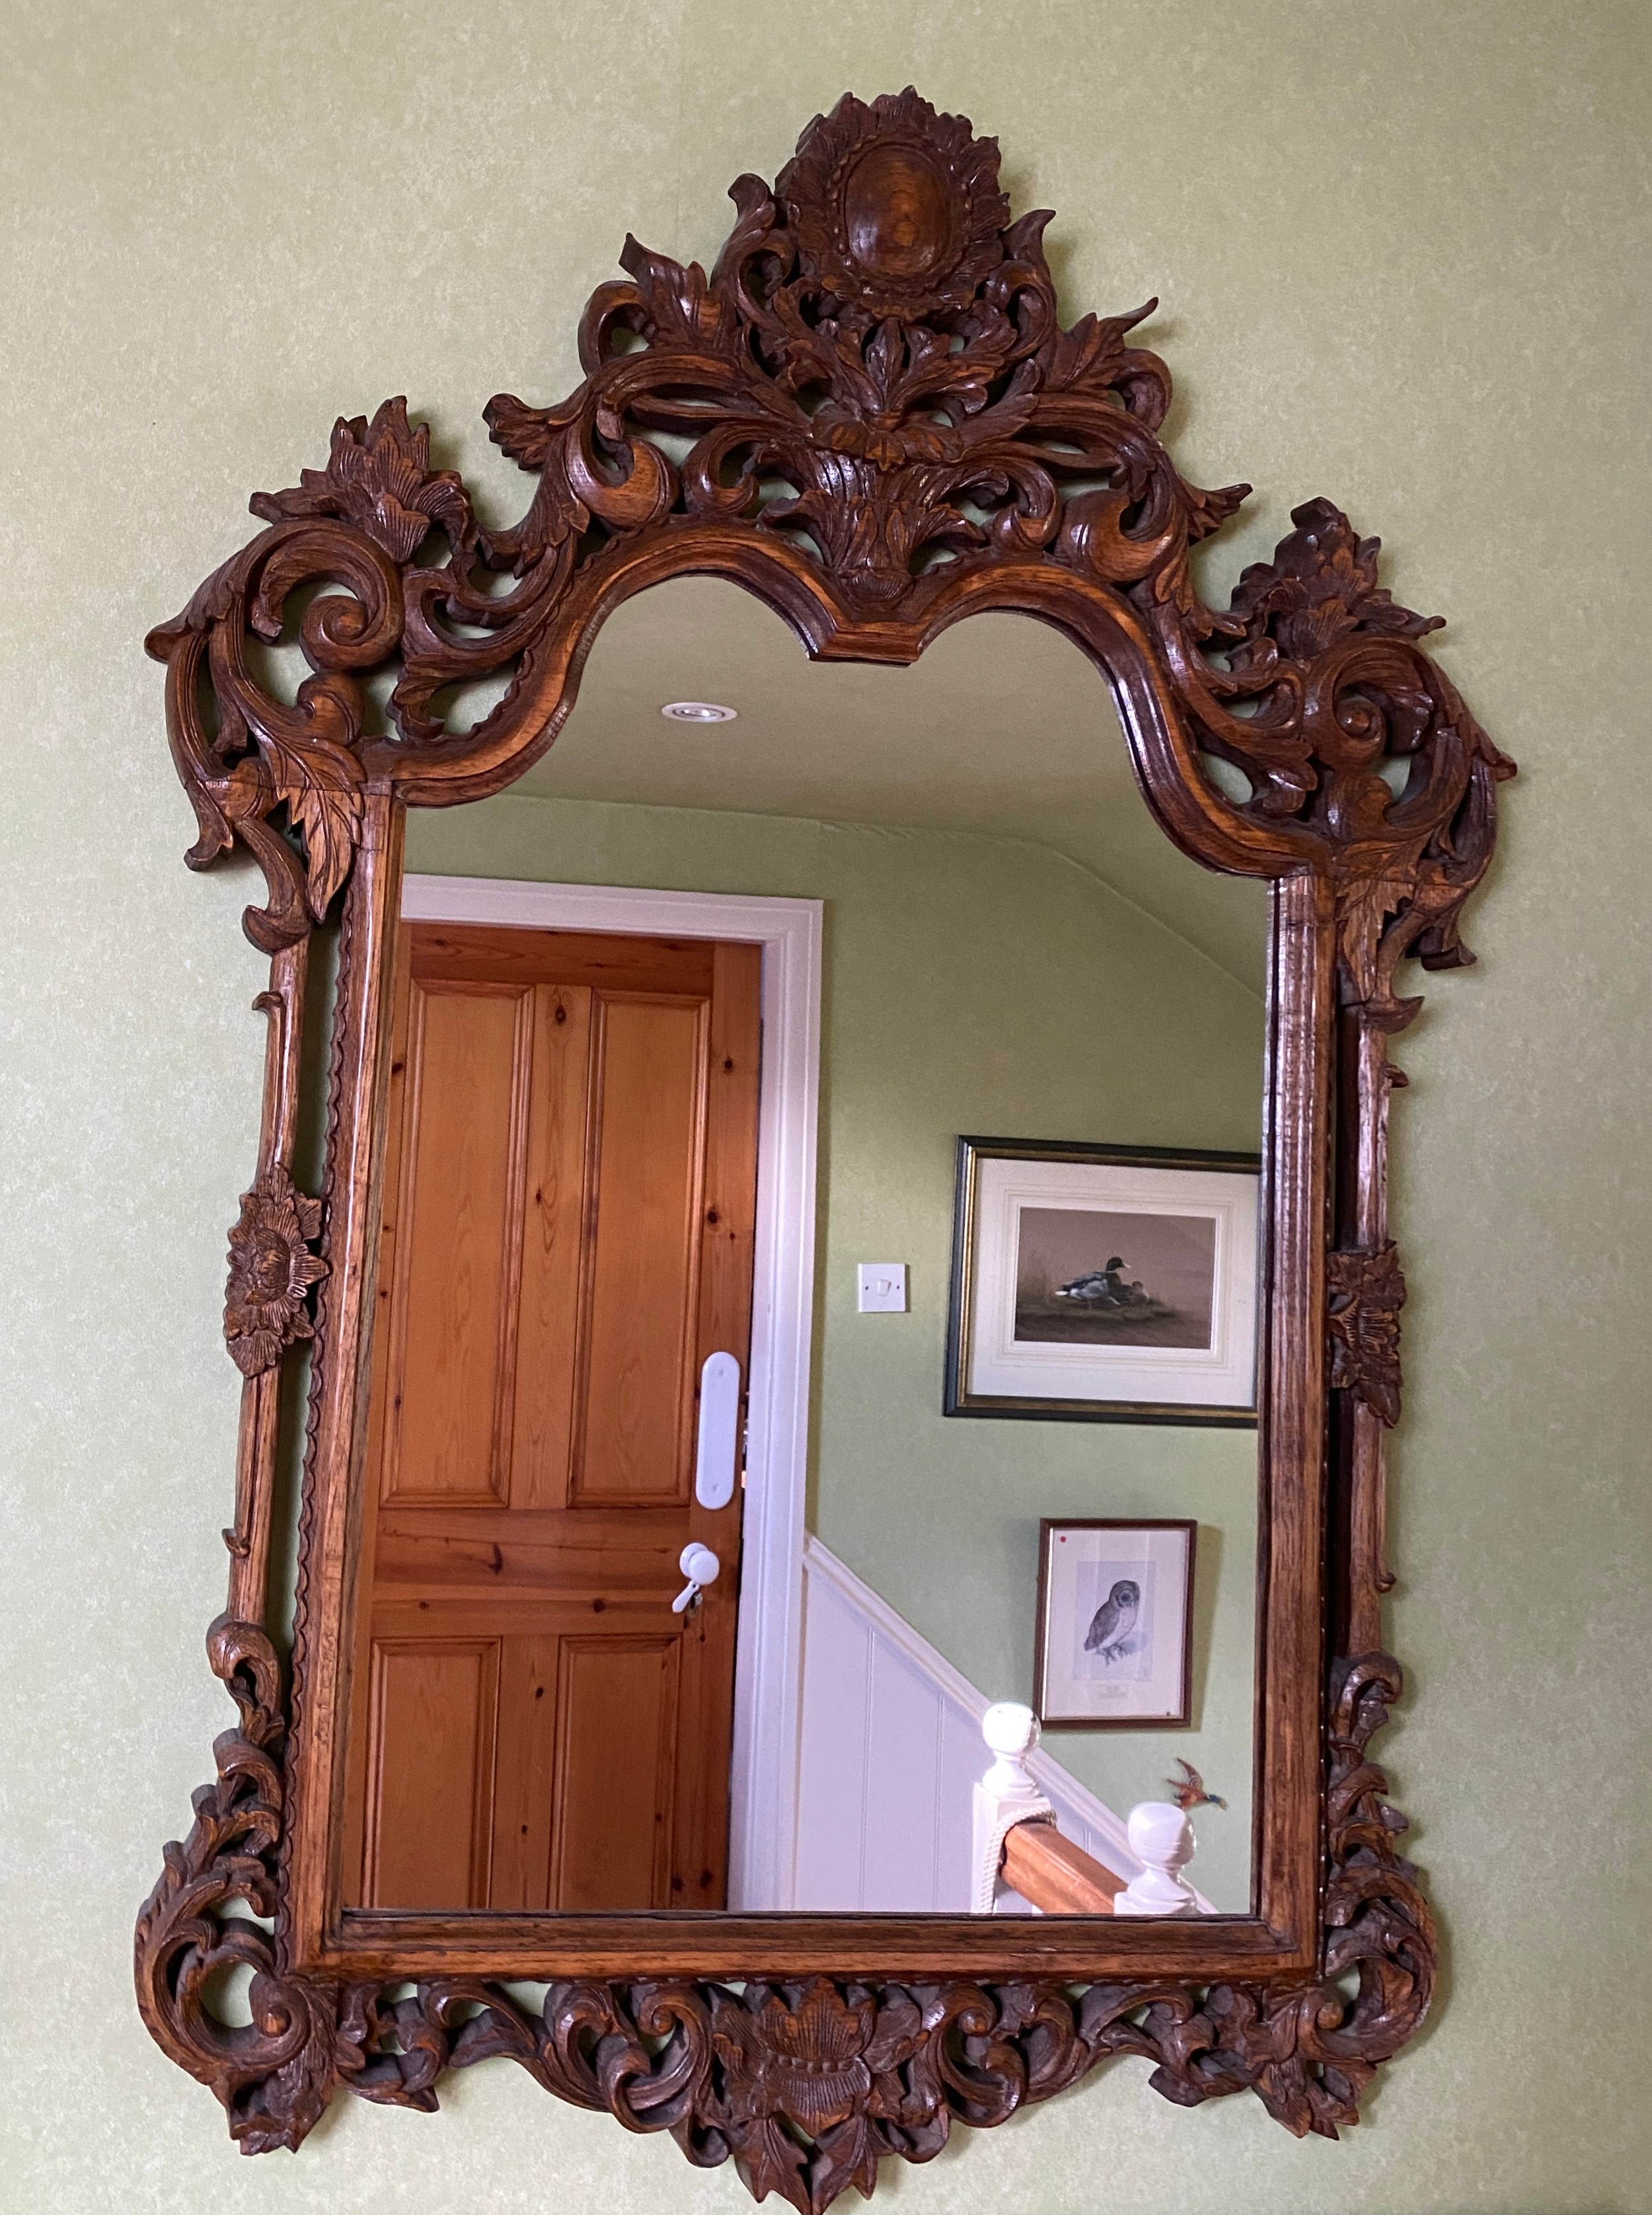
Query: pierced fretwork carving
{"x": 807, "y": 2086}
{"x": 275, "y": 2075}
{"x": 881, "y": 408}
{"x": 871, "y": 414}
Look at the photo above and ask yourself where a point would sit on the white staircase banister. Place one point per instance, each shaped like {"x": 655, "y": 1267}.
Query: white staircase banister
{"x": 1161, "y": 1835}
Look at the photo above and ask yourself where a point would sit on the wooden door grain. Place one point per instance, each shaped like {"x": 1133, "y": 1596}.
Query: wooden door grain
{"x": 567, "y": 1234}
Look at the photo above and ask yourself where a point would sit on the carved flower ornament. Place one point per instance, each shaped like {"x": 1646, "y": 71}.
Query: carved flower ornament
{"x": 1320, "y": 585}
{"x": 822, "y": 2059}
{"x": 1367, "y": 1292}
{"x": 271, "y": 1272}
{"x": 807, "y": 2061}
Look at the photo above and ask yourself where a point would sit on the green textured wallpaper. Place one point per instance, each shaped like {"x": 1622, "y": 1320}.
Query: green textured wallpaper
{"x": 1403, "y": 253}
{"x": 979, "y": 985}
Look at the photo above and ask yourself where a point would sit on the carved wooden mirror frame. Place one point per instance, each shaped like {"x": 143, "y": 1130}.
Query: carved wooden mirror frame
{"x": 870, "y": 417}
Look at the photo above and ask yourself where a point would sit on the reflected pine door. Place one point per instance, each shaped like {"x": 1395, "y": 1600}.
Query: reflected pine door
{"x": 570, "y": 1190}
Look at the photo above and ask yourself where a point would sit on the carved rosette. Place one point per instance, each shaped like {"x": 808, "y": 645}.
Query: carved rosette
{"x": 896, "y": 210}
{"x": 1367, "y": 1292}
{"x": 868, "y": 409}
{"x": 271, "y": 1272}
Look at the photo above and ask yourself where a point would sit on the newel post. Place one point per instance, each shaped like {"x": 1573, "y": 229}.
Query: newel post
{"x": 1005, "y": 1796}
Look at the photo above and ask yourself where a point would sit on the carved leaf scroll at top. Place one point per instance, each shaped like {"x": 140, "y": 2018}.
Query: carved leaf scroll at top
{"x": 871, "y": 399}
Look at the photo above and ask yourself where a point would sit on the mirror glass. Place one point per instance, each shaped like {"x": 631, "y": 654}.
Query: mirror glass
{"x": 647, "y": 1618}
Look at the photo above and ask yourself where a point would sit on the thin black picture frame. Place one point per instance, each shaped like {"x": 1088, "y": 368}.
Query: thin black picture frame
{"x": 957, "y": 1396}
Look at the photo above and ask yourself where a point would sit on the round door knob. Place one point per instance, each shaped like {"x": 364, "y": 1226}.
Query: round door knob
{"x": 700, "y": 1567}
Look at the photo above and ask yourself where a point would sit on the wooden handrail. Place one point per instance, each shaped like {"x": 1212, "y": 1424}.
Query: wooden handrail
{"x": 1054, "y": 1875}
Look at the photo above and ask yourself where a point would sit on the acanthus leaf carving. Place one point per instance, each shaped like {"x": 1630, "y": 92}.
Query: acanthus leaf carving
{"x": 1366, "y": 1292}
{"x": 873, "y": 386}
{"x": 808, "y": 2085}
{"x": 1400, "y": 781}
{"x": 378, "y": 476}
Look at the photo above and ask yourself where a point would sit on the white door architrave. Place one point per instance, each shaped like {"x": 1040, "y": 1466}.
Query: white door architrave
{"x": 763, "y": 1776}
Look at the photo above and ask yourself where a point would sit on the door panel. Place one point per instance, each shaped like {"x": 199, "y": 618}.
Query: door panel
{"x": 617, "y": 1740}
{"x": 552, "y": 1245}
{"x": 454, "y": 1304}
{"x": 524, "y": 1784}
{"x": 643, "y": 1252}
{"x": 431, "y": 1762}
{"x": 568, "y": 1230}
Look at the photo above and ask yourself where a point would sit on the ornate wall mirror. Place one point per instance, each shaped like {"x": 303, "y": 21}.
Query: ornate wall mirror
{"x": 640, "y": 1589}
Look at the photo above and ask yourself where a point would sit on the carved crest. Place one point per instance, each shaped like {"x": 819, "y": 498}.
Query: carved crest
{"x": 878, "y": 398}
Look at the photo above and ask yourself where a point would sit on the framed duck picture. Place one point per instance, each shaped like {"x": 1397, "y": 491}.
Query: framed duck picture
{"x": 1103, "y": 1284}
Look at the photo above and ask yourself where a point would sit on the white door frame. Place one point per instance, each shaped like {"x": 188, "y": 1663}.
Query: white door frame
{"x": 768, "y": 1666}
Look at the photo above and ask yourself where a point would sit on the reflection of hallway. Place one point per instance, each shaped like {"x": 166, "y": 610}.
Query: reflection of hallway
{"x": 892, "y": 1750}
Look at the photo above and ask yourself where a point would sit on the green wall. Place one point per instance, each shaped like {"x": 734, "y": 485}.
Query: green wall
{"x": 1403, "y": 254}
{"x": 989, "y": 986}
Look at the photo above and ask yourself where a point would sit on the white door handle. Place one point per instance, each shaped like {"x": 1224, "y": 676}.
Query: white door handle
{"x": 700, "y": 1567}
{"x": 719, "y": 1430}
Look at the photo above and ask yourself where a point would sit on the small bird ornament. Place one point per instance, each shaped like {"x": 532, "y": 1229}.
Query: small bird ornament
{"x": 1114, "y": 1620}
{"x": 1189, "y": 1793}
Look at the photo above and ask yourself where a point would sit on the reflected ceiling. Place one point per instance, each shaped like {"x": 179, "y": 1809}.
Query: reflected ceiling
{"x": 1002, "y": 728}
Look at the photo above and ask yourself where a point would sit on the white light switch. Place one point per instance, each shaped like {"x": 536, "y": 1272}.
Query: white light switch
{"x": 880, "y": 1288}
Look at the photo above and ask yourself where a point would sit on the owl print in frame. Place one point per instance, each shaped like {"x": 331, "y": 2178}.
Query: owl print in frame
{"x": 1114, "y": 1647}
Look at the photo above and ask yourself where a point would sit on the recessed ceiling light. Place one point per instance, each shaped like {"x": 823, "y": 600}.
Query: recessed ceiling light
{"x": 697, "y": 711}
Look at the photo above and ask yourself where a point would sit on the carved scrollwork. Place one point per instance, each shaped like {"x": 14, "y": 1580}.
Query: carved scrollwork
{"x": 876, "y": 372}
{"x": 274, "y": 2074}
{"x": 807, "y": 2086}
{"x": 208, "y": 1914}
{"x": 1367, "y": 1292}
{"x": 873, "y": 388}
{"x": 1396, "y": 780}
